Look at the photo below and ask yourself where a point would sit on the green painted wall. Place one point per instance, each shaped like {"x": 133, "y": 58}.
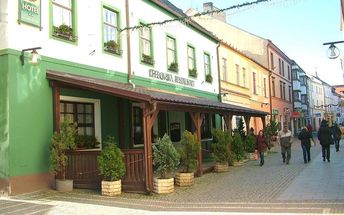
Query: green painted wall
{"x": 4, "y": 118}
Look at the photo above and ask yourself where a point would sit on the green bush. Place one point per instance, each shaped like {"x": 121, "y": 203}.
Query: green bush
{"x": 221, "y": 146}
{"x": 87, "y": 141}
{"x": 188, "y": 151}
{"x": 60, "y": 142}
{"x": 110, "y": 161}
{"x": 241, "y": 128}
{"x": 165, "y": 156}
{"x": 271, "y": 130}
{"x": 250, "y": 143}
{"x": 237, "y": 147}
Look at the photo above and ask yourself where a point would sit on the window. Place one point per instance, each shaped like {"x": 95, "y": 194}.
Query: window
{"x": 137, "y": 125}
{"x": 244, "y": 76}
{"x": 63, "y": 20}
{"x": 146, "y": 45}
{"x": 224, "y": 69}
{"x": 288, "y": 72}
{"x": 289, "y": 93}
{"x": 237, "y": 68}
{"x": 281, "y": 89}
{"x": 296, "y": 96}
{"x": 272, "y": 60}
{"x": 279, "y": 65}
{"x": 110, "y": 28}
{"x": 254, "y": 83}
{"x": 304, "y": 99}
{"x": 282, "y": 68}
{"x": 171, "y": 54}
{"x": 206, "y": 126}
{"x": 294, "y": 73}
{"x": 273, "y": 90}
{"x": 81, "y": 113}
{"x": 207, "y": 68}
{"x": 264, "y": 87}
{"x": 192, "y": 61}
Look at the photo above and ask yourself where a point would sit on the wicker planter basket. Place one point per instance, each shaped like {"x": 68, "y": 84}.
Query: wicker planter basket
{"x": 111, "y": 188}
{"x": 221, "y": 167}
{"x": 184, "y": 179}
{"x": 163, "y": 186}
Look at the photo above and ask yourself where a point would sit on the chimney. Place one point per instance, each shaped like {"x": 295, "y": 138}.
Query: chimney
{"x": 209, "y": 7}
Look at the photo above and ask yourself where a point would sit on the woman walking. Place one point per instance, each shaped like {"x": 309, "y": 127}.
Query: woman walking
{"x": 305, "y": 138}
{"x": 261, "y": 146}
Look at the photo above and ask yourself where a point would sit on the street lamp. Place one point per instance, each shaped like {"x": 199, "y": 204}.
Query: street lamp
{"x": 34, "y": 57}
{"x": 333, "y": 52}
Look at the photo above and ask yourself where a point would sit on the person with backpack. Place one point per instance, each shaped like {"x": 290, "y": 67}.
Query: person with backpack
{"x": 305, "y": 136}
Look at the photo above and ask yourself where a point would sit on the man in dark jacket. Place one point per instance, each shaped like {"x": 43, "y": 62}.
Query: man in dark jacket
{"x": 337, "y": 134}
{"x": 324, "y": 136}
{"x": 305, "y": 138}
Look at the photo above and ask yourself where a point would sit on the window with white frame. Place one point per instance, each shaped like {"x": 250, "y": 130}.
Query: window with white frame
{"x": 244, "y": 77}
{"x": 171, "y": 51}
{"x": 146, "y": 45}
{"x": 254, "y": 82}
{"x": 192, "y": 61}
{"x": 110, "y": 28}
{"x": 237, "y": 72}
{"x": 224, "y": 69}
{"x": 62, "y": 19}
{"x": 264, "y": 87}
{"x": 207, "y": 68}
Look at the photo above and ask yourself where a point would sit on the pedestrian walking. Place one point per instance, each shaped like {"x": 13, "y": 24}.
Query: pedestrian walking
{"x": 261, "y": 146}
{"x": 324, "y": 136}
{"x": 305, "y": 138}
{"x": 310, "y": 128}
{"x": 337, "y": 135}
{"x": 285, "y": 142}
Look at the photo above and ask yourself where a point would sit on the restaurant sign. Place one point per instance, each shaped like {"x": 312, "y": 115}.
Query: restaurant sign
{"x": 171, "y": 78}
{"x": 30, "y": 12}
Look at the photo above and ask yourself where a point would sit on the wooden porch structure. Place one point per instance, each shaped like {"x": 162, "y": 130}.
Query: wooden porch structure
{"x": 152, "y": 101}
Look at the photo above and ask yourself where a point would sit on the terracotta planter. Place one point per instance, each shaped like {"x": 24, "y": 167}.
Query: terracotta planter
{"x": 221, "y": 167}
{"x": 111, "y": 188}
{"x": 184, "y": 179}
{"x": 238, "y": 163}
{"x": 163, "y": 186}
{"x": 64, "y": 185}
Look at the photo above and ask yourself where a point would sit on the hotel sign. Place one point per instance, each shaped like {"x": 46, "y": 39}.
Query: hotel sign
{"x": 30, "y": 12}
{"x": 171, "y": 78}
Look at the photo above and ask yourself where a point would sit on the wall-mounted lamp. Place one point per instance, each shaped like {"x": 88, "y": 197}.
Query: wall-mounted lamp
{"x": 34, "y": 57}
{"x": 332, "y": 52}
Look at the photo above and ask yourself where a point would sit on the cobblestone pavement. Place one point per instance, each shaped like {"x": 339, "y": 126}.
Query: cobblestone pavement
{"x": 297, "y": 188}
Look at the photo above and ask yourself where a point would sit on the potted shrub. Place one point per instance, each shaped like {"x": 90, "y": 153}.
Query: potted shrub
{"x": 221, "y": 149}
{"x": 250, "y": 146}
{"x": 112, "y": 46}
{"x": 188, "y": 151}
{"x": 209, "y": 78}
{"x": 173, "y": 67}
{"x": 63, "y": 31}
{"x": 193, "y": 72}
{"x": 270, "y": 132}
{"x": 147, "y": 59}
{"x": 166, "y": 160}
{"x": 111, "y": 167}
{"x": 60, "y": 143}
{"x": 237, "y": 149}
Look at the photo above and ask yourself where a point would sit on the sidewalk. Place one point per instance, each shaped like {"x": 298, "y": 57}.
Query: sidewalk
{"x": 313, "y": 188}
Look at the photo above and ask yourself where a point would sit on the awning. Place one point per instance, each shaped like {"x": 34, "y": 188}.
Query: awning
{"x": 143, "y": 94}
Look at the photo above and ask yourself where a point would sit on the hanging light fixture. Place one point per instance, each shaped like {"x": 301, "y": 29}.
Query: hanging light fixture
{"x": 34, "y": 57}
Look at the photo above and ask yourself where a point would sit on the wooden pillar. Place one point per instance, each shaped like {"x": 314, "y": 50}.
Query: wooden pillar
{"x": 228, "y": 121}
{"x": 263, "y": 121}
{"x": 247, "y": 122}
{"x": 149, "y": 116}
{"x": 197, "y": 119}
{"x": 56, "y": 106}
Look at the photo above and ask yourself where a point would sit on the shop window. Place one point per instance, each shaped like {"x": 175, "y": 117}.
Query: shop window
{"x": 206, "y": 127}
{"x": 137, "y": 126}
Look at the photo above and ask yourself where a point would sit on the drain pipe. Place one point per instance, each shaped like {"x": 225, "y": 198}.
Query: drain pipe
{"x": 128, "y": 42}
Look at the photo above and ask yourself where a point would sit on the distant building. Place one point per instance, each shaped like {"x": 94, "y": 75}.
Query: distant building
{"x": 208, "y": 6}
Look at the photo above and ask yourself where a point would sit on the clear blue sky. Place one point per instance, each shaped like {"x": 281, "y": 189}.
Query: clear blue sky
{"x": 297, "y": 27}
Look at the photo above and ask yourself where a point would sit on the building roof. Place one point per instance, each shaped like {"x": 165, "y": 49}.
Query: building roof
{"x": 143, "y": 94}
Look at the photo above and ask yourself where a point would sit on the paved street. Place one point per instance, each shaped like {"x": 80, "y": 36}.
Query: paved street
{"x": 313, "y": 188}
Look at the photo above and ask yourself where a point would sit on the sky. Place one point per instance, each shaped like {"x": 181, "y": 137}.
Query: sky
{"x": 298, "y": 27}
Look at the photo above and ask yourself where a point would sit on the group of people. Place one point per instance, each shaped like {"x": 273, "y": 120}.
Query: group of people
{"x": 326, "y": 135}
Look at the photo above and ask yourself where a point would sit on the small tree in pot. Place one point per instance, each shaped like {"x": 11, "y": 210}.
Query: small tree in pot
{"x": 60, "y": 143}
{"x": 188, "y": 158}
{"x": 166, "y": 159}
{"x": 250, "y": 146}
{"x": 237, "y": 148}
{"x": 221, "y": 149}
{"x": 111, "y": 167}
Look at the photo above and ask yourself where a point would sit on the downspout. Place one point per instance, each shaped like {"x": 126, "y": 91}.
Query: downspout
{"x": 128, "y": 41}
{"x": 270, "y": 80}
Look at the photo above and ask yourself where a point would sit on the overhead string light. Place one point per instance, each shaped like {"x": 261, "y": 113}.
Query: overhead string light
{"x": 187, "y": 19}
